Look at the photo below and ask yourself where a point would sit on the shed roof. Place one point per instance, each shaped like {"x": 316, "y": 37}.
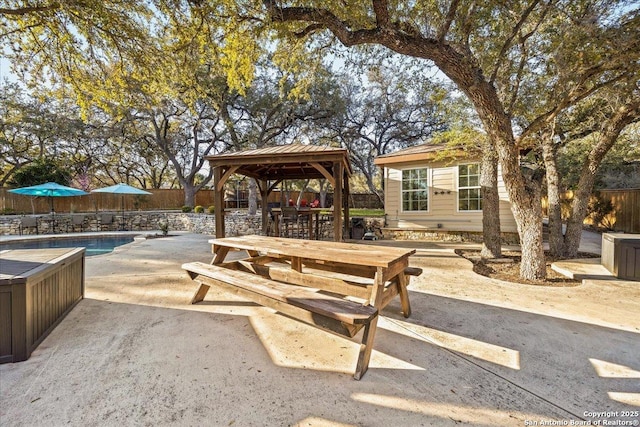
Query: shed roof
{"x": 426, "y": 151}
{"x": 294, "y": 161}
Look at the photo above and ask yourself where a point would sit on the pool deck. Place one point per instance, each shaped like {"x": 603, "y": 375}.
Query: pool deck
{"x": 475, "y": 351}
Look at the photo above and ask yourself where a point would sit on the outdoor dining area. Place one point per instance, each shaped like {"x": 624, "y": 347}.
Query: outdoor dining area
{"x": 270, "y": 167}
{"x": 54, "y": 222}
{"x": 335, "y": 286}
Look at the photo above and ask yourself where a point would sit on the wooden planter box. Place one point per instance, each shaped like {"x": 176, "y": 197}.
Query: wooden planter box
{"x": 38, "y": 287}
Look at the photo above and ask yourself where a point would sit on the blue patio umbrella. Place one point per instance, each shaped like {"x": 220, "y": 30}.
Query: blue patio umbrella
{"x": 121, "y": 189}
{"x": 50, "y": 190}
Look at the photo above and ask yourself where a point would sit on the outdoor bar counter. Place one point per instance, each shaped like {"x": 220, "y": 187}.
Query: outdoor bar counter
{"x": 38, "y": 287}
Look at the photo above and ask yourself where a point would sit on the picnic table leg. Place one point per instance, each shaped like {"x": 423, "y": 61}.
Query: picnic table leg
{"x": 366, "y": 348}
{"x": 296, "y": 264}
{"x": 370, "y": 330}
{"x": 404, "y": 294}
{"x": 200, "y": 293}
{"x": 220, "y": 254}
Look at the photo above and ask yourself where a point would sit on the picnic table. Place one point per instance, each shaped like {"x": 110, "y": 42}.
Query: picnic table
{"x": 337, "y": 286}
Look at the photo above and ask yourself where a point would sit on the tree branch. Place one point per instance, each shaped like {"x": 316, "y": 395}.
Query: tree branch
{"x": 380, "y": 8}
{"x": 507, "y": 43}
{"x": 516, "y": 86}
{"x": 442, "y": 33}
{"x": 26, "y": 10}
{"x": 570, "y": 99}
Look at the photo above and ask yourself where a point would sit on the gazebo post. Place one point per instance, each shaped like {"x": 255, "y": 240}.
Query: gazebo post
{"x": 337, "y": 202}
{"x": 218, "y": 201}
{"x": 345, "y": 203}
{"x": 263, "y": 184}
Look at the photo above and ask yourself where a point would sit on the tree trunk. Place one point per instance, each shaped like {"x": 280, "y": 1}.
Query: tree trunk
{"x": 253, "y": 197}
{"x": 524, "y": 193}
{"x": 324, "y": 185}
{"x": 491, "y": 239}
{"x": 528, "y": 216}
{"x": 301, "y": 192}
{"x": 556, "y": 236}
{"x": 374, "y": 189}
{"x": 189, "y": 194}
{"x": 608, "y": 135}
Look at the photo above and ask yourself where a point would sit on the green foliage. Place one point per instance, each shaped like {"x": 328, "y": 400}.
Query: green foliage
{"x": 199, "y": 209}
{"x": 619, "y": 169}
{"x": 211, "y": 210}
{"x": 39, "y": 172}
{"x": 598, "y": 212}
{"x": 366, "y": 212}
{"x": 164, "y": 228}
{"x": 187, "y": 209}
{"x": 459, "y": 142}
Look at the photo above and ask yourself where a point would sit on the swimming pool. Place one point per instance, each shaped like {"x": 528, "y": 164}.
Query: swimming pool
{"x": 93, "y": 245}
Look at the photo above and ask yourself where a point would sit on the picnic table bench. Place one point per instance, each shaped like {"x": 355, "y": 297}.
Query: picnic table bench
{"x": 338, "y": 287}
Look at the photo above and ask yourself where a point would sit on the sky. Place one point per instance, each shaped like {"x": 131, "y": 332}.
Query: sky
{"x": 5, "y": 71}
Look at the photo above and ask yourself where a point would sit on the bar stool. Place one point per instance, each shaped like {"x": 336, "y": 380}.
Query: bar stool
{"x": 289, "y": 222}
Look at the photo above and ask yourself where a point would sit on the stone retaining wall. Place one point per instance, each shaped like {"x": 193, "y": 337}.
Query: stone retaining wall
{"x": 237, "y": 223}
{"x": 444, "y": 236}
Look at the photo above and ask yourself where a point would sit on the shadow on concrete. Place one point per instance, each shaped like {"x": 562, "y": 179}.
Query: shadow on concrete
{"x": 452, "y": 361}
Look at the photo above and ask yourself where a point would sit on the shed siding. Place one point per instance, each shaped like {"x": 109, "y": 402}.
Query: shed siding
{"x": 443, "y": 206}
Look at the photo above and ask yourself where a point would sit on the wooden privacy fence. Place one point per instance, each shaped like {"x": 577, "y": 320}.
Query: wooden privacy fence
{"x": 626, "y": 205}
{"x": 162, "y": 199}
{"x": 626, "y": 209}
{"x": 94, "y": 202}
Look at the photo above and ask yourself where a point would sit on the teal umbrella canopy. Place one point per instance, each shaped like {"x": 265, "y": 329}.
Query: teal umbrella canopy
{"x": 50, "y": 190}
{"x": 120, "y": 189}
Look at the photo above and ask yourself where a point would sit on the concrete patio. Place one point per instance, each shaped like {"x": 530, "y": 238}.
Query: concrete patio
{"x": 475, "y": 351}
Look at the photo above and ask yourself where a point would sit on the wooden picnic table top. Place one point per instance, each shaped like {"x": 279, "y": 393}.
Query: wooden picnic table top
{"x": 336, "y": 252}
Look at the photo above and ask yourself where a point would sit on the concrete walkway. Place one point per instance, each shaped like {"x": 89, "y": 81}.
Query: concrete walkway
{"x": 475, "y": 351}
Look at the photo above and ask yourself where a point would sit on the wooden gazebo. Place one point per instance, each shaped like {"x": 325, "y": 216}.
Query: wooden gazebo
{"x": 271, "y": 165}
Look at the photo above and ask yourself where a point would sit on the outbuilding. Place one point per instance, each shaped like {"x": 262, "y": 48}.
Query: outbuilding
{"x": 431, "y": 189}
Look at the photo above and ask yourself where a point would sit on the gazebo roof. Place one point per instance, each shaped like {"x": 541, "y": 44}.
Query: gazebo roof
{"x": 295, "y": 161}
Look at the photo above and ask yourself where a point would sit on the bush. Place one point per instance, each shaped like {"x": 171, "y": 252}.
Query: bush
{"x": 211, "y": 209}
{"x": 198, "y": 209}
{"x": 164, "y": 228}
{"x": 187, "y": 209}
{"x": 599, "y": 210}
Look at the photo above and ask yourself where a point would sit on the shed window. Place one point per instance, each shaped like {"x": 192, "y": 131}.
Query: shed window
{"x": 415, "y": 189}
{"x": 469, "y": 195}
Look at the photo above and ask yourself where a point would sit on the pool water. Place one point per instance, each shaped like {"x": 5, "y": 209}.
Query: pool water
{"x": 93, "y": 245}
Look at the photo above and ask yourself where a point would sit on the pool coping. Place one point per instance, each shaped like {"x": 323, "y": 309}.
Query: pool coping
{"x": 142, "y": 234}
